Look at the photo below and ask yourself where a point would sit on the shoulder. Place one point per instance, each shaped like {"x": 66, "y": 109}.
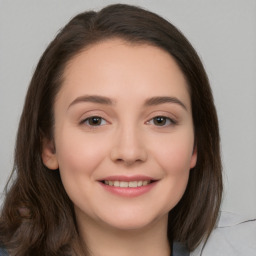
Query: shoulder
{"x": 234, "y": 235}
{"x": 3, "y": 252}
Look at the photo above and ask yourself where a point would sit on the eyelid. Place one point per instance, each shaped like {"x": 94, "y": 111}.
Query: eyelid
{"x": 93, "y": 113}
{"x": 84, "y": 121}
{"x": 162, "y": 113}
{"x": 170, "y": 123}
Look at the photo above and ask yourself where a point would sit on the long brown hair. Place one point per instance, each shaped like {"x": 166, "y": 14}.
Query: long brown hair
{"x": 37, "y": 215}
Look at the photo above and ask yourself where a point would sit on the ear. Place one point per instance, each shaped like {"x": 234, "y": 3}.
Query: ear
{"x": 49, "y": 157}
{"x": 193, "y": 159}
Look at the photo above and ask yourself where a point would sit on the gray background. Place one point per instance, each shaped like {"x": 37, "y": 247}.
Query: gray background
{"x": 223, "y": 33}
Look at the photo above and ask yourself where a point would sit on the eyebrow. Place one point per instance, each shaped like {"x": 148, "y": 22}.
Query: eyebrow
{"x": 92, "y": 99}
{"x": 161, "y": 100}
{"x": 107, "y": 101}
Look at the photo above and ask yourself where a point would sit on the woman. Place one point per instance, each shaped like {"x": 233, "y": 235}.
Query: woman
{"x": 117, "y": 150}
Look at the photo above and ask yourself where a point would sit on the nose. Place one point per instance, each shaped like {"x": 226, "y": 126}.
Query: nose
{"x": 129, "y": 147}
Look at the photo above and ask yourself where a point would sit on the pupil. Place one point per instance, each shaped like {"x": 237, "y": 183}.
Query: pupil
{"x": 95, "y": 120}
{"x": 160, "y": 120}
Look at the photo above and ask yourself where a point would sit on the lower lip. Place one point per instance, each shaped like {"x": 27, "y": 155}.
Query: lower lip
{"x": 129, "y": 192}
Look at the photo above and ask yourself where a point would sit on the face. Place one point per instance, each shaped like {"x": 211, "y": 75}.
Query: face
{"x": 124, "y": 139}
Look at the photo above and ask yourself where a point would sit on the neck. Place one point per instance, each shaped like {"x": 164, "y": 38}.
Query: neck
{"x": 102, "y": 240}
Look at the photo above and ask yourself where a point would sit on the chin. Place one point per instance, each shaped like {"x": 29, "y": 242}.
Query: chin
{"x": 132, "y": 222}
{"x": 129, "y": 226}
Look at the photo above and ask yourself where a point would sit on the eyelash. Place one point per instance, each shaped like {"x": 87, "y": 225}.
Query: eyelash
{"x": 167, "y": 121}
{"x": 88, "y": 119}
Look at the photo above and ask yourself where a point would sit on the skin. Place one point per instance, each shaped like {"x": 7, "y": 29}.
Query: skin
{"x": 126, "y": 141}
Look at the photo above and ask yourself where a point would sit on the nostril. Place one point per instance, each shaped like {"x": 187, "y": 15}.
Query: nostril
{"x": 128, "y": 153}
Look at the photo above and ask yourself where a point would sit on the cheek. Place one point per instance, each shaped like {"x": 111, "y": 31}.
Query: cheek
{"x": 79, "y": 157}
{"x": 174, "y": 153}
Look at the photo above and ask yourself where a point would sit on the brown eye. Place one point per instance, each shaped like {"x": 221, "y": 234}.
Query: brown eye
{"x": 160, "y": 120}
{"x": 94, "y": 121}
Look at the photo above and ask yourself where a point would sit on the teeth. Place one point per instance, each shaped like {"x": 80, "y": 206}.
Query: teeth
{"x": 125, "y": 184}
{"x": 133, "y": 184}
{"x": 116, "y": 183}
{"x": 145, "y": 182}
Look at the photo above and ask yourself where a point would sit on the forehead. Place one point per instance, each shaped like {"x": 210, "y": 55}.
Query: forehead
{"x": 115, "y": 67}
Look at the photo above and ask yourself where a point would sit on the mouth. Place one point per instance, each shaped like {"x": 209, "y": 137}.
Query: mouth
{"x": 127, "y": 184}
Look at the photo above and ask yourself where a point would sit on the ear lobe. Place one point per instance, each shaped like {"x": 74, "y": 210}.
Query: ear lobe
{"x": 193, "y": 159}
{"x": 49, "y": 157}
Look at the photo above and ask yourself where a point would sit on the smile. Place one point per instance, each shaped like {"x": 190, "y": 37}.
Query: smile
{"x": 128, "y": 186}
{"x": 125, "y": 184}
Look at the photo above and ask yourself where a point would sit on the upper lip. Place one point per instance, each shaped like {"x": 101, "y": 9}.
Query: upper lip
{"x": 128, "y": 178}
